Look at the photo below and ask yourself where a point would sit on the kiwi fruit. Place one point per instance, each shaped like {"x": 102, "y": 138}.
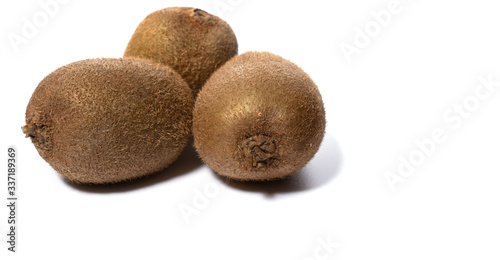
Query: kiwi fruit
{"x": 189, "y": 40}
{"x": 101, "y": 121}
{"x": 259, "y": 117}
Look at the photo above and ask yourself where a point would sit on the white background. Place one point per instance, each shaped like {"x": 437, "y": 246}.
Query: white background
{"x": 396, "y": 91}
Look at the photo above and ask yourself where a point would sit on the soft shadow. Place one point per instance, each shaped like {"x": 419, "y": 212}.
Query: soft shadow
{"x": 323, "y": 168}
{"x": 187, "y": 162}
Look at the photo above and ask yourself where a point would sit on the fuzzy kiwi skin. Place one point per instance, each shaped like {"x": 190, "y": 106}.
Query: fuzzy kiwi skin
{"x": 189, "y": 40}
{"x": 101, "y": 121}
{"x": 259, "y": 117}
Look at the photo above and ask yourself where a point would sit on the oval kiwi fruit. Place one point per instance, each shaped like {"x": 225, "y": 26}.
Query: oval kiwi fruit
{"x": 258, "y": 117}
{"x": 101, "y": 121}
{"x": 189, "y": 40}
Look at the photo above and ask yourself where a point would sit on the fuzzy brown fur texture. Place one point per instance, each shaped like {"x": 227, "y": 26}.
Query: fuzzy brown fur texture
{"x": 189, "y": 40}
{"x": 259, "y": 117}
{"x": 102, "y": 120}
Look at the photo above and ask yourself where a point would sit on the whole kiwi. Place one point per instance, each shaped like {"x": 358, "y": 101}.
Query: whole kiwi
{"x": 189, "y": 40}
{"x": 101, "y": 121}
{"x": 258, "y": 117}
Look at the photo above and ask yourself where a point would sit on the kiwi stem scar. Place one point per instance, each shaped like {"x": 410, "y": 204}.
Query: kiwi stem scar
{"x": 37, "y": 134}
{"x": 258, "y": 149}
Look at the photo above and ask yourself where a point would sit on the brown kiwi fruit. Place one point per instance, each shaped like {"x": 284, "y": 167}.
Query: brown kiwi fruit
{"x": 101, "y": 121}
{"x": 189, "y": 40}
{"x": 258, "y": 117}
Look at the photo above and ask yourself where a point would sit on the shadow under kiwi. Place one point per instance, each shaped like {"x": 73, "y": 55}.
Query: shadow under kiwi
{"x": 323, "y": 168}
{"x": 187, "y": 162}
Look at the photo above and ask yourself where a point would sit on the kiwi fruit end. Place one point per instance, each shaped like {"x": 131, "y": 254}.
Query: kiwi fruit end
{"x": 259, "y": 117}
